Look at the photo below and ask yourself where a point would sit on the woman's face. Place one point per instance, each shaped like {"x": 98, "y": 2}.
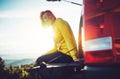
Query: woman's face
{"x": 48, "y": 18}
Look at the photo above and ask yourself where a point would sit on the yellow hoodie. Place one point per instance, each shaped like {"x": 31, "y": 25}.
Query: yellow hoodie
{"x": 64, "y": 40}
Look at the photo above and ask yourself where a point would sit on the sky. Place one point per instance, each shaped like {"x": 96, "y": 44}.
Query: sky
{"x": 20, "y": 28}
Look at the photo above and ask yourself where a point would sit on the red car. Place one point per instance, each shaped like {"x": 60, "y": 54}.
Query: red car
{"x": 99, "y": 42}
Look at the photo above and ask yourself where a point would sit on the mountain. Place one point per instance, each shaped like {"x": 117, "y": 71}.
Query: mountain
{"x": 18, "y": 62}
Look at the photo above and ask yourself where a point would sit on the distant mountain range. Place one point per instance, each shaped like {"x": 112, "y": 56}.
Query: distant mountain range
{"x": 18, "y": 62}
{"x": 17, "y": 59}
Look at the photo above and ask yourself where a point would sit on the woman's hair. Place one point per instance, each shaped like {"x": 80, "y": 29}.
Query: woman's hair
{"x": 41, "y": 17}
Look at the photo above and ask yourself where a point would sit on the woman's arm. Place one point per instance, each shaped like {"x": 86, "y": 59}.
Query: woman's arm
{"x": 69, "y": 38}
{"x": 53, "y": 49}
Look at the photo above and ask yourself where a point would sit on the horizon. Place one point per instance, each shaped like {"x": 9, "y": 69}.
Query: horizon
{"x": 20, "y": 28}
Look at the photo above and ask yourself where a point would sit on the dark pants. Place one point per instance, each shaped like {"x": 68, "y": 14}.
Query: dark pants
{"x": 53, "y": 73}
{"x": 57, "y": 57}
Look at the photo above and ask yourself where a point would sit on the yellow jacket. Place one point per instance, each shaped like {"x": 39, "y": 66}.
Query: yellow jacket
{"x": 64, "y": 40}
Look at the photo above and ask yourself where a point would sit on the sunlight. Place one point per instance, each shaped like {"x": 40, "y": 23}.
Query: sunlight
{"x": 26, "y": 34}
{"x": 21, "y": 33}
{"x": 83, "y": 38}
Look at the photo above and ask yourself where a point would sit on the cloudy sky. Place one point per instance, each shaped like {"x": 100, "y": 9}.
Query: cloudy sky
{"x": 20, "y": 28}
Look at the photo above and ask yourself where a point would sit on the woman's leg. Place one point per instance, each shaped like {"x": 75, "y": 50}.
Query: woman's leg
{"x": 56, "y": 57}
{"x": 46, "y": 58}
{"x": 61, "y": 58}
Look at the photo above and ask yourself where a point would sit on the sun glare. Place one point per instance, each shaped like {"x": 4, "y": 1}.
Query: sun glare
{"x": 21, "y": 31}
{"x": 26, "y": 35}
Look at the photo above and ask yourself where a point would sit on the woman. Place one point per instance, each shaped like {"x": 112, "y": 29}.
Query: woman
{"x": 65, "y": 48}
